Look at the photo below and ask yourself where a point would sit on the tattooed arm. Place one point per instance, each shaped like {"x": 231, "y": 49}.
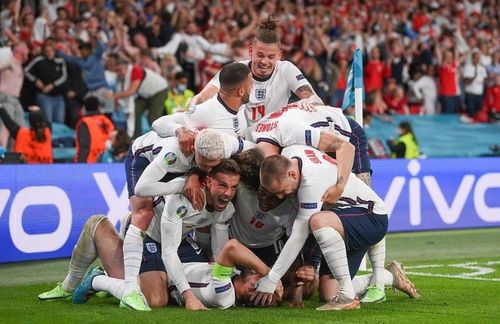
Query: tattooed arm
{"x": 308, "y": 98}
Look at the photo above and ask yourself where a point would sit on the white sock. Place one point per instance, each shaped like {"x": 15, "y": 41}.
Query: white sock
{"x": 132, "y": 257}
{"x": 362, "y": 282}
{"x": 115, "y": 287}
{"x": 84, "y": 254}
{"x": 376, "y": 254}
{"x": 333, "y": 248}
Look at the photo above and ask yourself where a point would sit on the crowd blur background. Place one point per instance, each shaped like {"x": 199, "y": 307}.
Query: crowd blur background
{"x": 421, "y": 57}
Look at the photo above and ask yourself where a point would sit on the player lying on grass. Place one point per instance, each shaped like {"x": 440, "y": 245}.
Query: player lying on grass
{"x": 300, "y": 171}
{"x": 161, "y": 160}
{"x": 259, "y": 223}
{"x": 215, "y": 284}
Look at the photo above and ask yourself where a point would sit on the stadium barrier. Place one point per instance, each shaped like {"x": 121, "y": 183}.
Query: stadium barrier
{"x": 43, "y": 207}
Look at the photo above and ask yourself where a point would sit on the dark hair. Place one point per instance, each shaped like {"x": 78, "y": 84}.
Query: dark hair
{"x": 181, "y": 75}
{"x": 227, "y": 166}
{"x": 249, "y": 162}
{"x": 85, "y": 45}
{"x": 122, "y": 142}
{"x": 38, "y": 123}
{"x": 91, "y": 103}
{"x": 267, "y": 31}
{"x": 233, "y": 75}
{"x": 406, "y": 127}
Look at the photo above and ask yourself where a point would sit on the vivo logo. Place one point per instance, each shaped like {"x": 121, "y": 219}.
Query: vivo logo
{"x": 448, "y": 210}
{"x": 117, "y": 204}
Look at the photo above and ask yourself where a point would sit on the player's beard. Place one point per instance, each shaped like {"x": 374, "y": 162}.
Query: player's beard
{"x": 245, "y": 99}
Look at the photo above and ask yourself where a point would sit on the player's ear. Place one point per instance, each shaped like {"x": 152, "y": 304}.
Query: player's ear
{"x": 250, "y": 49}
{"x": 280, "y": 55}
{"x": 208, "y": 182}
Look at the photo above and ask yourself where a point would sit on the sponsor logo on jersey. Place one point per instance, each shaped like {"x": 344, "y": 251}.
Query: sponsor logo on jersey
{"x": 222, "y": 289}
{"x": 308, "y": 137}
{"x": 300, "y": 77}
{"x": 201, "y": 221}
{"x": 151, "y": 247}
{"x": 236, "y": 123}
{"x": 260, "y": 214}
{"x": 260, "y": 94}
{"x": 309, "y": 205}
{"x": 181, "y": 211}
{"x": 192, "y": 109}
{"x": 170, "y": 158}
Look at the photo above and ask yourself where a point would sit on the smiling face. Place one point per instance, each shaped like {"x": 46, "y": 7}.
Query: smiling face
{"x": 221, "y": 189}
{"x": 264, "y": 58}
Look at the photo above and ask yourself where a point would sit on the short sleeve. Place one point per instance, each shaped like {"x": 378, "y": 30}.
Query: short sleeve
{"x": 294, "y": 77}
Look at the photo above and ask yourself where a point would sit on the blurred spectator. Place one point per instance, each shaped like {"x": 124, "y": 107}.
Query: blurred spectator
{"x": 75, "y": 90}
{"x": 449, "y": 88}
{"x": 491, "y": 107}
{"x": 406, "y": 146}
{"x": 49, "y": 74}
{"x": 117, "y": 147}
{"x": 11, "y": 82}
{"x": 92, "y": 66}
{"x": 395, "y": 99}
{"x": 92, "y": 132}
{"x": 35, "y": 142}
{"x": 474, "y": 78}
{"x": 179, "y": 95}
{"x": 425, "y": 90}
{"x": 340, "y": 72}
{"x": 150, "y": 88}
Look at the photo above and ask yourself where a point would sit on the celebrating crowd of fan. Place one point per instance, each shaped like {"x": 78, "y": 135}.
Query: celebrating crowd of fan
{"x": 420, "y": 57}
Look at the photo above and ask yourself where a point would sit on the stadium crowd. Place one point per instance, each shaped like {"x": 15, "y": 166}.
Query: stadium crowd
{"x": 420, "y": 57}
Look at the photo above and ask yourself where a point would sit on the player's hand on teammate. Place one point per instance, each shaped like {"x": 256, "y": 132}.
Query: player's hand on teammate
{"x": 186, "y": 140}
{"x": 264, "y": 295}
{"x": 193, "y": 303}
{"x": 303, "y": 104}
{"x": 332, "y": 194}
{"x": 194, "y": 193}
{"x": 305, "y": 273}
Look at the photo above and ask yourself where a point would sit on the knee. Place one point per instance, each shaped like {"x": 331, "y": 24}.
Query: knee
{"x": 316, "y": 222}
{"x": 231, "y": 245}
{"x": 92, "y": 223}
{"x": 157, "y": 300}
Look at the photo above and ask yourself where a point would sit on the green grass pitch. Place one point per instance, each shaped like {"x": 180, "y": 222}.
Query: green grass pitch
{"x": 457, "y": 272}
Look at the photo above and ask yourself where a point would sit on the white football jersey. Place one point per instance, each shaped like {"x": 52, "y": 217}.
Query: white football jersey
{"x": 212, "y": 292}
{"x": 255, "y": 228}
{"x": 318, "y": 173}
{"x": 214, "y": 114}
{"x": 178, "y": 206}
{"x": 286, "y": 126}
{"x": 148, "y": 145}
{"x": 272, "y": 93}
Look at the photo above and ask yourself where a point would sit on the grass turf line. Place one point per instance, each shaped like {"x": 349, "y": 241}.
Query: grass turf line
{"x": 443, "y": 299}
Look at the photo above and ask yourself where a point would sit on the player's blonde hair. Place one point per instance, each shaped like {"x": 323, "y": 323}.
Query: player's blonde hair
{"x": 209, "y": 143}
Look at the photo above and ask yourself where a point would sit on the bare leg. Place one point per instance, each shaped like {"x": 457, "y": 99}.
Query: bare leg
{"x": 154, "y": 287}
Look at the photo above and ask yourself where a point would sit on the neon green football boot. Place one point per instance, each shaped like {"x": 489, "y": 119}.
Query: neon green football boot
{"x": 373, "y": 295}
{"x": 135, "y": 301}
{"x": 57, "y": 293}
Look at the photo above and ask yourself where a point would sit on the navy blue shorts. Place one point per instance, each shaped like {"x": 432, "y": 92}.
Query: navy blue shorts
{"x": 311, "y": 252}
{"x": 151, "y": 256}
{"x": 269, "y": 254}
{"x": 358, "y": 139}
{"x": 134, "y": 167}
{"x": 362, "y": 229}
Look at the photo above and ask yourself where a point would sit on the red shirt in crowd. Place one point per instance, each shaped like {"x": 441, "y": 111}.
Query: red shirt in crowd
{"x": 374, "y": 73}
{"x": 137, "y": 73}
{"x": 395, "y": 104}
{"x": 492, "y": 100}
{"x": 342, "y": 82}
{"x": 448, "y": 80}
